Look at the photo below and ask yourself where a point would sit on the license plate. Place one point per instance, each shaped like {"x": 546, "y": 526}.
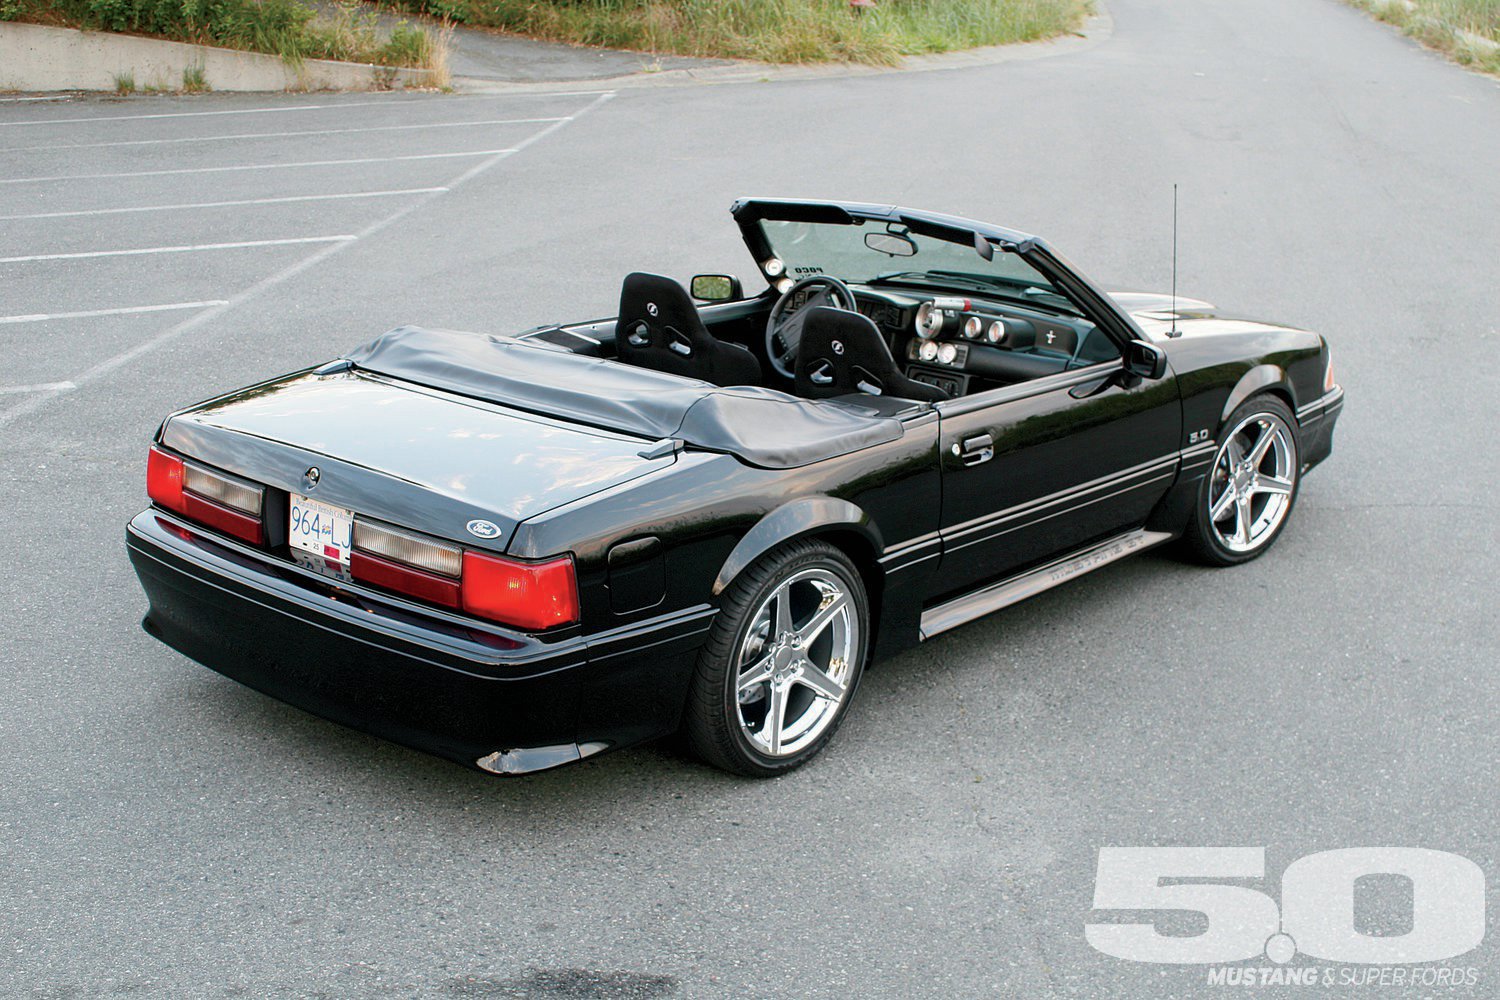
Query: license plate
{"x": 320, "y": 529}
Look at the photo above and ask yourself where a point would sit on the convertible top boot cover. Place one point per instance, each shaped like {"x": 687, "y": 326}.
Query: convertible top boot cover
{"x": 759, "y": 426}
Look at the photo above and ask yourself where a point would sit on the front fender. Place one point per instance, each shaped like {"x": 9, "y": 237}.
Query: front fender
{"x": 794, "y": 520}
{"x": 1257, "y": 379}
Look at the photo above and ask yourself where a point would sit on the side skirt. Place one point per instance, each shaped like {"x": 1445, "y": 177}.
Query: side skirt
{"x": 978, "y": 603}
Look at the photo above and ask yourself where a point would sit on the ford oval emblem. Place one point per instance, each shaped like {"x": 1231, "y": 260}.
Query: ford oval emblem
{"x": 483, "y": 529}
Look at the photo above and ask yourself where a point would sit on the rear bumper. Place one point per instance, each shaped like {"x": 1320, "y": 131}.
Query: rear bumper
{"x": 1315, "y": 421}
{"x": 503, "y": 701}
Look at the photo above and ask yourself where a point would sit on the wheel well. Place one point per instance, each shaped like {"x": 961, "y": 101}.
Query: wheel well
{"x": 1277, "y": 391}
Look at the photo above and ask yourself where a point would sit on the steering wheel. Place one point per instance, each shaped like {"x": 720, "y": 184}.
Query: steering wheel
{"x": 784, "y": 329}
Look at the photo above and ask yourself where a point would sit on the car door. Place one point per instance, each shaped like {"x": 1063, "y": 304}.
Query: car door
{"x": 1035, "y": 470}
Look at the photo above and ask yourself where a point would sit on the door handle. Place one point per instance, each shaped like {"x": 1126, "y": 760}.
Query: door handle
{"x": 977, "y": 449}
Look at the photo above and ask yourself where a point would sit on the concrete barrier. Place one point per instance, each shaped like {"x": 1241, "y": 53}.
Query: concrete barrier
{"x": 34, "y": 57}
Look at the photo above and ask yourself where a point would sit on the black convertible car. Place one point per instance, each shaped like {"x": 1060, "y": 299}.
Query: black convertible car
{"x": 521, "y": 551}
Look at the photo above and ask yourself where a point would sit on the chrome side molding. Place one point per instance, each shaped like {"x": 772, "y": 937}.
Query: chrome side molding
{"x": 978, "y": 603}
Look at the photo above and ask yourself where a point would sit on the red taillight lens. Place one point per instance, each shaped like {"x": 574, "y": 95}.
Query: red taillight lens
{"x": 166, "y": 478}
{"x": 164, "y": 475}
{"x": 405, "y": 579}
{"x": 231, "y": 522}
{"x": 529, "y": 595}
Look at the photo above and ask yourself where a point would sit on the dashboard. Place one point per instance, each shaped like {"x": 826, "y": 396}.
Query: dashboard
{"x": 966, "y": 344}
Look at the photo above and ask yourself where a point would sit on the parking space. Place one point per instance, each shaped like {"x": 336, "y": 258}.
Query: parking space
{"x": 124, "y": 225}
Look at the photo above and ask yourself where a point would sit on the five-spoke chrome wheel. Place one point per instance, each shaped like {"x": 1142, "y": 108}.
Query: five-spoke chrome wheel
{"x": 1251, "y": 489}
{"x": 782, "y": 661}
{"x": 1251, "y": 486}
{"x": 794, "y": 665}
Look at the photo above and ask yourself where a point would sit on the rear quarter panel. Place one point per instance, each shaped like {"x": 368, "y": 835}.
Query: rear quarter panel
{"x": 705, "y": 504}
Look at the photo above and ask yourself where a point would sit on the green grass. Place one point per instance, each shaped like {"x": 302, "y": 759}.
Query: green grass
{"x": 124, "y": 84}
{"x": 1458, "y": 28}
{"x": 193, "y": 80}
{"x": 779, "y": 31}
{"x": 287, "y": 28}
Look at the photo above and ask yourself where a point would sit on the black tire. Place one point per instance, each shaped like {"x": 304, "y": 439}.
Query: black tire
{"x": 1213, "y": 543}
{"x": 715, "y": 720}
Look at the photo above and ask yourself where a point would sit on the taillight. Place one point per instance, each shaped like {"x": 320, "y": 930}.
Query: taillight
{"x": 408, "y": 547}
{"x": 404, "y": 579}
{"x": 529, "y": 595}
{"x": 404, "y": 561}
{"x": 220, "y": 501}
{"x": 164, "y": 479}
{"x": 1328, "y": 383}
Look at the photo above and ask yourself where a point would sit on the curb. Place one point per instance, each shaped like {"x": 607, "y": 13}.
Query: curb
{"x": 35, "y": 57}
{"x": 1096, "y": 30}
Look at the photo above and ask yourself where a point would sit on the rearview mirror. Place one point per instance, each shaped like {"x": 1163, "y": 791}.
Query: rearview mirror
{"x": 891, "y": 244}
{"x": 1145, "y": 360}
{"x": 716, "y": 287}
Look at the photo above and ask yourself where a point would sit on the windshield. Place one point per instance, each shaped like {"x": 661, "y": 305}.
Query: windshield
{"x": 901, "y": 256}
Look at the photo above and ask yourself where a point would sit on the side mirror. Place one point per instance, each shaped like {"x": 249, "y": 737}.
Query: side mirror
{"x": 716, "y": 288}
{"x": 1145, "y": 360}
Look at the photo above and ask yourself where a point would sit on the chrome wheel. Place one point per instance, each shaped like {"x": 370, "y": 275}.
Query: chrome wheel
{"x": 794, "y": 668}
{"x": 1250, "y": 488}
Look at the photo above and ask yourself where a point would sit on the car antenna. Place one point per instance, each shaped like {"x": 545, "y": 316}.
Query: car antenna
{"x": 1174, "y": 332}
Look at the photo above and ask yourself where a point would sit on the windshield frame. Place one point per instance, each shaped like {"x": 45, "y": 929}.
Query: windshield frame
{"x": 1094, "y": 303}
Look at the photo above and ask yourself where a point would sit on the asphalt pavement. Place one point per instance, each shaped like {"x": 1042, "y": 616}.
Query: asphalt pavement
{"x": 167, "y": 833}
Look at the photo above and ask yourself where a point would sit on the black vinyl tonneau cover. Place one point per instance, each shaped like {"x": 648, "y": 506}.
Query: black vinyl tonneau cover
{"x": 759, "y": 426}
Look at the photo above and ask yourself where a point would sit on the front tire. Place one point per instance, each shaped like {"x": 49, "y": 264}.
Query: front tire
{"x": 1248, "y": 494}
{"x": 782, "y": 661}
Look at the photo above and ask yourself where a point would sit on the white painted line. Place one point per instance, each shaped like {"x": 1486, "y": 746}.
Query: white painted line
{"x": 122, "y": 311}
{"x": 52, "y": 387}
{"x": 182, "y": 249}
{"x": 103, "y": 368}
{"x": 224, "y": 204}
{"x": 287, "y": 135}
{"x": 256, "y": 166}
{"x": 394, "y": 102}
{"x": 18, "y": 100}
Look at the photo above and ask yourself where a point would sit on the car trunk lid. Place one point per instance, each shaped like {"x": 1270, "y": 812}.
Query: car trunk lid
{"x": 418, "y": 457}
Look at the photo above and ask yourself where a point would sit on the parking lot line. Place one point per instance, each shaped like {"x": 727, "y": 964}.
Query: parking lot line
{"x": 121, "y": 311}
{"x": 39, "y": 387}
{"x": 257, "y": 166}
{"x": 187, "y": 206}
{"x": 286, "y": 135}
{"x": 300, "y": 107}
{"x": 183, "y": 249}
{"x": 37, "y": 400}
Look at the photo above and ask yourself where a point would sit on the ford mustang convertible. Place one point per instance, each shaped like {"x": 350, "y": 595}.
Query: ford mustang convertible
{"x": 710, "y": 512}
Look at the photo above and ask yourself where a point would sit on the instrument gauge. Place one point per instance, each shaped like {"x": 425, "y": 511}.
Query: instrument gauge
{"x": 947, "y": 353}
{"x": 773, "y": 267}
{"x": 996, "y": 333}
{"x": 929, "y": 320}
{"x": 973, "y": 327}
{"x": 928, "y": 351}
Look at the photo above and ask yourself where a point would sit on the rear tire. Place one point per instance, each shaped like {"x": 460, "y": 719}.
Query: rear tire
{"x": 1248, "y": 494}
{"x": 782, "y": 661}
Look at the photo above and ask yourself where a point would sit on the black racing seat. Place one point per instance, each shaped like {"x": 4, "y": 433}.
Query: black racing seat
{"x": 843, "y": 352}
{"x": 659, "y": 328}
